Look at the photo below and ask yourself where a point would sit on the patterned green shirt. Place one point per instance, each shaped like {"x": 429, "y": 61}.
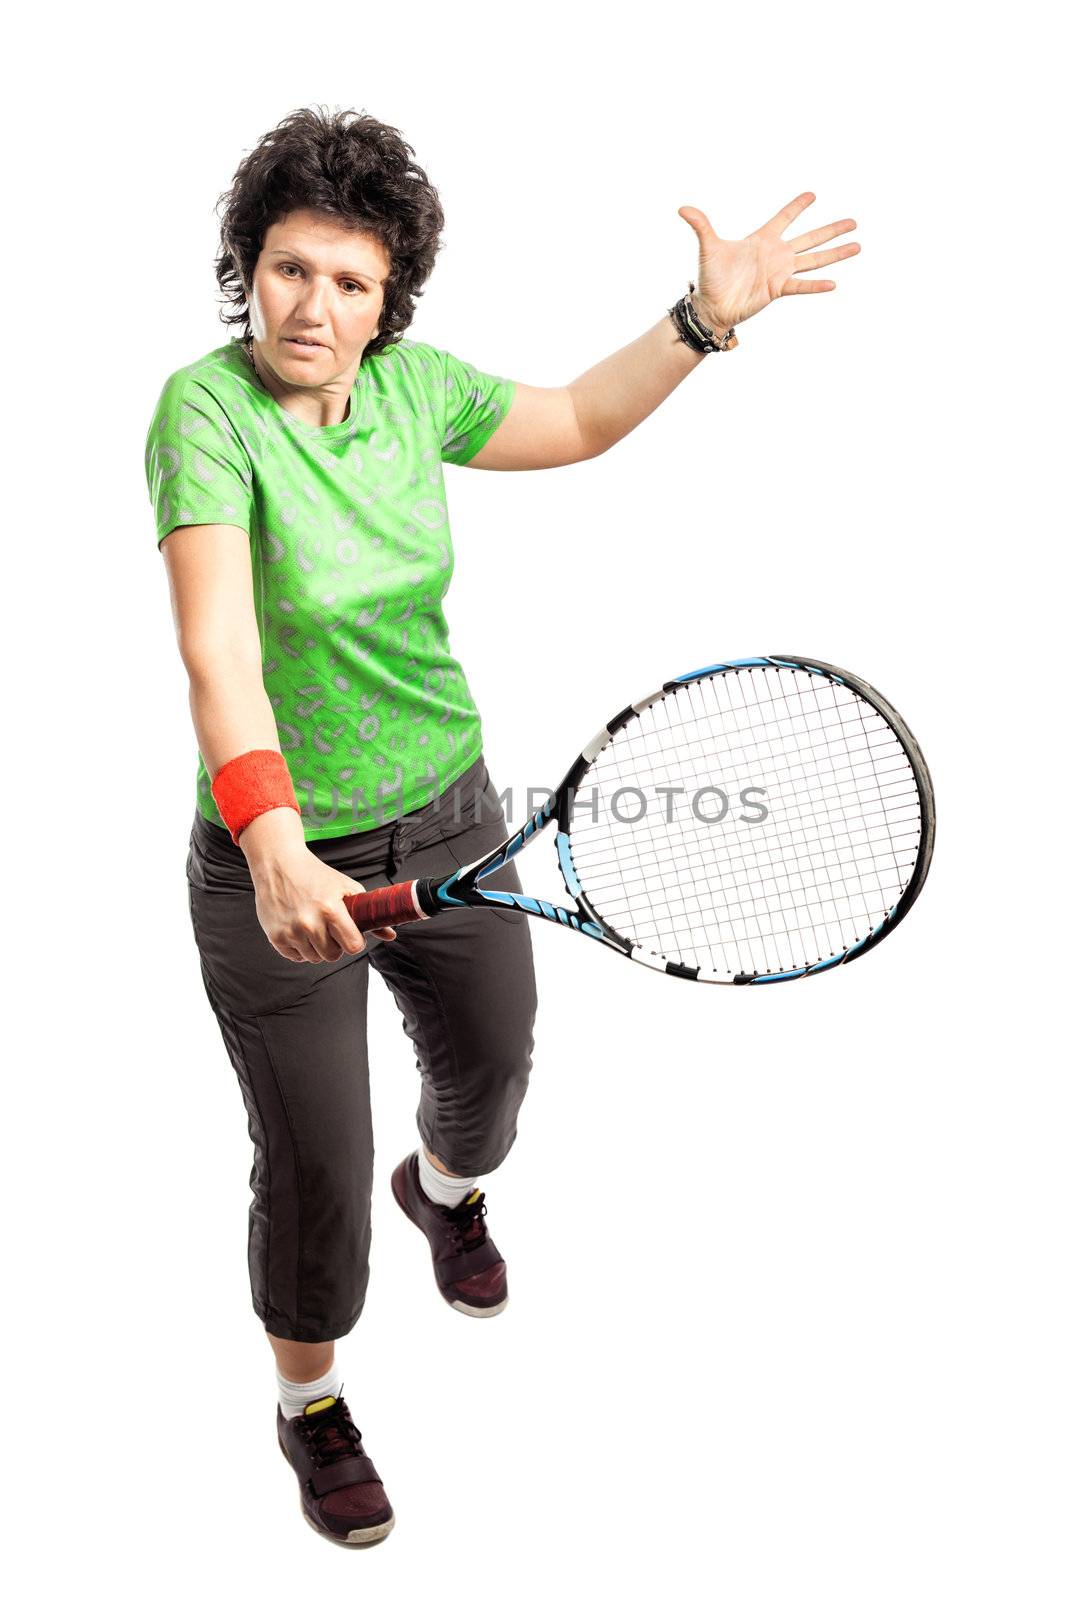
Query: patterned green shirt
{"x": 351, "y": 556}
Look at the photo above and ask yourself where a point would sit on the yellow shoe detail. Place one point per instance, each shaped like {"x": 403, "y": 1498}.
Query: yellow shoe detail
{"x": 320, "y": 1405}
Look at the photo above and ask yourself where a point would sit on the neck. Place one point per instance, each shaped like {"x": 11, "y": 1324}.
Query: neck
{"x": 280, "y": 394}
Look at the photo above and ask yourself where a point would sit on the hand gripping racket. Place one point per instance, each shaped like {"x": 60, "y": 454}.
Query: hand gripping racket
{"x": 748, "y": 823}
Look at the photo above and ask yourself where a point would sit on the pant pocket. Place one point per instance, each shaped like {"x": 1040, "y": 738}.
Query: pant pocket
{"x": 217, "y": 868}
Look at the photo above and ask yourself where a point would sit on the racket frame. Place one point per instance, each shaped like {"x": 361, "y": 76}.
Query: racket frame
{"x": 460, "y": 889}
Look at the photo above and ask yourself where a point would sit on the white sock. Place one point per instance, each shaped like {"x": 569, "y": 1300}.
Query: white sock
{"x": 293, "y": 1397}
{"x": 438, "y": 1186}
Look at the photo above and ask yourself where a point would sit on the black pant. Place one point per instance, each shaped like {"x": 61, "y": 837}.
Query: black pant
{"x": 295, "y": 1032}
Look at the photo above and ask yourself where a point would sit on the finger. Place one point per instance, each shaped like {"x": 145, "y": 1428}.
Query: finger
{"x": 820, "y": 235}
{"x": 783, "y": 218}
{"x": 347, "y": 938}
{"x": 823, "y": 258}
{"x": 388, "y": 934}
{"x": 803, "y": 286}
{"x": 347, "y": 935}
{"x": 698, "y": 222}
{"x": 324, "y": 946}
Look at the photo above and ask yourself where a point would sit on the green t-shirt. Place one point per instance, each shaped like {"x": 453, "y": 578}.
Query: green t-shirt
{"x": 351, "y": 556}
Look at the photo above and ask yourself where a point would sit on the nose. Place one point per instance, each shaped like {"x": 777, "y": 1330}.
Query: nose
{"x": 313, "y": 302}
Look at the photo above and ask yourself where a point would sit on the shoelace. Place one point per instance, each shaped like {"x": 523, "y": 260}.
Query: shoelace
{"x": 466, "y": 1223}
{"x": 331, "y": 1434}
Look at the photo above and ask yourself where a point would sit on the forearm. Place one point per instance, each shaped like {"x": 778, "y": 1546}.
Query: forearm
{"x": 614, "y": 396}
{"x": 231, "y": 714}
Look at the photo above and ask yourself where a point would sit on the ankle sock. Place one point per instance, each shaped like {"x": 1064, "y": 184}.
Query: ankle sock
{"x": 293, "y": 1397}
{"x": 438, "y": 1186}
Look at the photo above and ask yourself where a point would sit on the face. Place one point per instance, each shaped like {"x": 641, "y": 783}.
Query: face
{"x": 317, "y": 281}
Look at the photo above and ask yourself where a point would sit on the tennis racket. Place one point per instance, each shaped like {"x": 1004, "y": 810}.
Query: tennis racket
{"x": 748, "y": 823}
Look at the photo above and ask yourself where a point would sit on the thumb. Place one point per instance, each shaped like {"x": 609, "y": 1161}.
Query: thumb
{"x": 698, "y": 222}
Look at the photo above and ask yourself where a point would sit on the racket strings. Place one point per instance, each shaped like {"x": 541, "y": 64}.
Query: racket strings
{"x": 765, "y": 939}
{"x": 779, "y": 831}
{"x": 836, "y": 815}
{"x": 613, "y": 848}
{"x": 749, "y": 893}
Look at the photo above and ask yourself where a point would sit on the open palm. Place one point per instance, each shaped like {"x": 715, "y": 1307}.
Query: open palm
{"x": 738, "y": 277}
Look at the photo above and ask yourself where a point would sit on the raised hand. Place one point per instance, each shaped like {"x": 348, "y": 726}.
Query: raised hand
{"x": 738, "y": 277}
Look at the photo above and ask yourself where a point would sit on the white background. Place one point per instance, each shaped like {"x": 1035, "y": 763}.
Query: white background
{"x": 786, "y": 1265}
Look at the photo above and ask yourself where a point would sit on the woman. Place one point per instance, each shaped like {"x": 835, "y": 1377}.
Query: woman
{"x": 296, "y": 477}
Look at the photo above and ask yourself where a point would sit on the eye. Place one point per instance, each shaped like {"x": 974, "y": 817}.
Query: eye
{"x": 284, "y": 265}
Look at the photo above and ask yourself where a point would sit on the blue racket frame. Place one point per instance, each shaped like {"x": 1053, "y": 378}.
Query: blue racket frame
{"x": 462, "y": 888}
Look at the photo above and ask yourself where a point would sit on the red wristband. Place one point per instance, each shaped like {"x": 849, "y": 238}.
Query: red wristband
{"x": 250, "y": 784}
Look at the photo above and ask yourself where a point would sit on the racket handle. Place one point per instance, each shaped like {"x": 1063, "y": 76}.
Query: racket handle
{"x": 384, "y": 908}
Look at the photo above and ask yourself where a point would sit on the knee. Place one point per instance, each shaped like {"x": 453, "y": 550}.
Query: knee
{"x": 508, "y": 1076}
{"x": 488, "y": 1123}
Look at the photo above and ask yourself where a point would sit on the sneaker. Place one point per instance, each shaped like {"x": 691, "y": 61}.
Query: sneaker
{"x": 340, "y": 1493}
{"x": 470, "y": 1271}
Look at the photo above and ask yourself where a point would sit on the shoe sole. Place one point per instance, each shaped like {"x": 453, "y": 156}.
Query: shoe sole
{"x": 476, "y": 1311}
{"x": 356, "y": 1538}
{"x": 457, "y": 1305}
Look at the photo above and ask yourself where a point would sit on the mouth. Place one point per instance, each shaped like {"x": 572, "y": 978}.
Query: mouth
{"x": 306, "y": 344}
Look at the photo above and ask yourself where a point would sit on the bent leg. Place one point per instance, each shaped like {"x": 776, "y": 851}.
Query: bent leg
{"x": 464, "y": 985}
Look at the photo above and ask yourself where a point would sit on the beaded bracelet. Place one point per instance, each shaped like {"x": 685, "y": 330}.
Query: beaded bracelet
{"x": 692, "y": 332}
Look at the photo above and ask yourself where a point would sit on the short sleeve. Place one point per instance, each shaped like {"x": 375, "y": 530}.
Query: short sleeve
{"x": 475, "y": 404}
{"x": 197, "y": 468}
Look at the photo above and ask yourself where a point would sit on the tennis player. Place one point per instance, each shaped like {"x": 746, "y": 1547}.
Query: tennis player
{"x": 296, "y": 474}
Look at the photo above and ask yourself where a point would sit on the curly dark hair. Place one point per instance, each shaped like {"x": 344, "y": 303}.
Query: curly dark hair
{"x": 361, "y": 174}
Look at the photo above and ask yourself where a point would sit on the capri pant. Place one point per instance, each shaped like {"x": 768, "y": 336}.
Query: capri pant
{"x": 295, "y": 1032}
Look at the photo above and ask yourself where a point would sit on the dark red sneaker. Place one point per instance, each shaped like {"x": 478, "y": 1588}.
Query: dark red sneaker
{"x": 341, "y": 1494}
{"x": 470, "y": 1271}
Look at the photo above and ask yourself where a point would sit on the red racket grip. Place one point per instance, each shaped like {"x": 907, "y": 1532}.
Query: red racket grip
{"x": 384, "y": 908}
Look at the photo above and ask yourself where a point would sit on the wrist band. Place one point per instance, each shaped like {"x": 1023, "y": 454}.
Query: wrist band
{"x": 692, "y": 332}
{"x": 250, "y": 784}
